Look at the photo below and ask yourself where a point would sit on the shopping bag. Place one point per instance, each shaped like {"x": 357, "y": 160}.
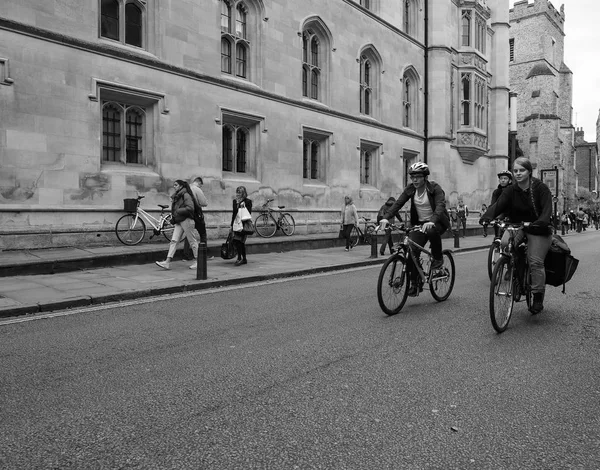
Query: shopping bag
{"x": 244, "y": 214}
{"x": 237, "y": 223}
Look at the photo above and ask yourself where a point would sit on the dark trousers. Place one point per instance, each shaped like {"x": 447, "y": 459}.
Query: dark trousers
{"x": 387, "y": 240}
{"x": 434, "y": 237}
{"x": 240, "y": 248}
{"x": 462, "y": 221}
{"x": 347, "y": 230}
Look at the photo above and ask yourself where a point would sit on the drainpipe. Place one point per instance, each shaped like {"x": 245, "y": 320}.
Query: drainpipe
{"x": 426, "y": 91}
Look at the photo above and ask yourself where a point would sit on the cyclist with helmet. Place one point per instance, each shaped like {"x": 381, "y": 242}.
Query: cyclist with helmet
{"x": 428, "y": 209}
{"x": 504, "y": 179}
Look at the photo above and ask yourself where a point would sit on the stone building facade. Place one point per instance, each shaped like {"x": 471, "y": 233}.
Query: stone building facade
{"x": 303, "y": 102}
{"x": 544, "y": 87}
{"x": 586, "y": 163}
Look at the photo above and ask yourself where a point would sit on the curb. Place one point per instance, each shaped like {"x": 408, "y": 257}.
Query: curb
{"x": 83, "y": 301}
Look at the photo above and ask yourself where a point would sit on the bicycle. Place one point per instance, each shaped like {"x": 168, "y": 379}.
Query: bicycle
{"x": 131, "y": 228}
{"x": 394, "y": 281}
{"x": 511, "y": 280}
{"x": 266, "y": 225}
{"x": 358, "y": 236}
{"x": 495, "y": 250}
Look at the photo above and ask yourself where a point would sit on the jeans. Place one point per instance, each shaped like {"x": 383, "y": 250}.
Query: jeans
{"x": 187, "y": 229}
{"x": 347, "y": 231}
{"x": 433, "y": 235}
{"x": 537, "y": 249}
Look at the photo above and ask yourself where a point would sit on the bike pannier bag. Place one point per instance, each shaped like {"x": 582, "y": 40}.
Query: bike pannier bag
{"x": 130, "y": 205}
{"x": 560, "y": 268}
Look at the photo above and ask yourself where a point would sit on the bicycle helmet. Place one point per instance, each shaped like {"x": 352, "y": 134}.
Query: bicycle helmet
{"x": 506, "y": 173}
{"x": 419, "y": 168}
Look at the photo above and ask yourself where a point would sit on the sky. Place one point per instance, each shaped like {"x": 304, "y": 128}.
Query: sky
{"x": 582, "y": 41}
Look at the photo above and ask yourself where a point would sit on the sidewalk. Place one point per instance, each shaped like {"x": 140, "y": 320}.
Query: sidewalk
{"x": 30, "y": 294}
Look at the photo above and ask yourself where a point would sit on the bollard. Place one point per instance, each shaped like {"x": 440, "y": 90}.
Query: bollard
{"x": 373, "y": 245}
{"x": 201, "y": 274}
{"x": 562, "y": 229}
{"x": 457, "y": 239}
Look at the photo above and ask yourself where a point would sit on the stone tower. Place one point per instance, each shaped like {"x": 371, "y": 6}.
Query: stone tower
{"x": 543, "y": 84}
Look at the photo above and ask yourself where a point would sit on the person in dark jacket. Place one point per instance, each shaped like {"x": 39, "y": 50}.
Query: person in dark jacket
{"x": 182, "y": 217}
{"x": 387, "y": 240}
{"x": 528, "y": 200}
{"x": 504, "y": 179}
{"x": 428, "y": 209}
{"x": 239, "y": 238}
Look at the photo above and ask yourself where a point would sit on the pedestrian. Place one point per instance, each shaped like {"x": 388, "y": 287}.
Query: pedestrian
{"x": 481, "y": 212}
{"x": 428, "y": 209}
{"x": 196, "y": 187}
{"x": 580, "y": 220}
{"x": 573, "y": 219}
{"x": 585, "y": 221}
{"x": 462, "y": 212}
{"x": 387, "y": 239}
{"x": 529, "y": 200}
{"x": 349, "y": 217}
{"x": 239, "y": 237}
{"x": 564, "y": 221}
{"x": 182, "y": 217}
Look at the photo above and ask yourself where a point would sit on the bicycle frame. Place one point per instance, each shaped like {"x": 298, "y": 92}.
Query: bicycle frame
{"x": 510, "y": 251}
{"x": 408, "y": 246}
{"x": 156, "y": 224}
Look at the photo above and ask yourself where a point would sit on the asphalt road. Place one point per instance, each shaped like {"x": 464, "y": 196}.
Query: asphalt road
{"x": 309, "y": 373}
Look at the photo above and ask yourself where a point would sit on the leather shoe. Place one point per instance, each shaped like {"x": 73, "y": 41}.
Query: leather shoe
{"x": 413, "y": 290}
{"x": 437, "y": 264}
{"x": 538, "y": 304}
{"x": 240, "y": 262}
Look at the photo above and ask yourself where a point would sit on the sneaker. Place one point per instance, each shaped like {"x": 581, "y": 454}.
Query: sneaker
{"x": 538, "y": 304}
{"x": 194, "y": 266}
{"x": 163, "y": 264}
{"x": 346, "y": 249}
{"x": 413, "y": 290}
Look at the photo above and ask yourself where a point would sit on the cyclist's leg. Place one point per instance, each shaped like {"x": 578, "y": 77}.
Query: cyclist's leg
{"x": 435, "y": 241}
{"x": 418, "y": 237}
{"x": 537, "y": 248}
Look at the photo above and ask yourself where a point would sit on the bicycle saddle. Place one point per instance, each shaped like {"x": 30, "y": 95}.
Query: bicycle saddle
{"x": 162, "y": 206}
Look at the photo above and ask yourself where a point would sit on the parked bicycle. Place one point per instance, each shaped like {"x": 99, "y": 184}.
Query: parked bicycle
{"x": 357, "y": 235}
{"x": 131, "y": 228}
{"x": 266, "y": 224}
{"x": 511, "y": 280}
{"x": 394, "y": 279}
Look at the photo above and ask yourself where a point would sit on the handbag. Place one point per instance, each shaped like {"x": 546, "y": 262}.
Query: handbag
{"x": 228, "y": 250}
{"x": 248, "y": 227}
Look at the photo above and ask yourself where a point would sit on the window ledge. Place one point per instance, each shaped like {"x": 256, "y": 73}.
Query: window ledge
{"x": 236, "y": 177}
{"x": 236, "y": 80}
{"x": 119, "y": 168}
{"x": 368, "y": 188}
{"x": 314, "y": 184}
{"x": 314, "y": 102}
{"x": 126, "y": 47}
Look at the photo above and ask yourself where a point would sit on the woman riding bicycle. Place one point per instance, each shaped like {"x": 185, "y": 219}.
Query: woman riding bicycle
{"x": 528, "y": 200}
{"x": 428, "y": 209}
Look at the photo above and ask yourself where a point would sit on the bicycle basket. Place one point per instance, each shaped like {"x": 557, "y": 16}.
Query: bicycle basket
{"x": 130, "y": 205}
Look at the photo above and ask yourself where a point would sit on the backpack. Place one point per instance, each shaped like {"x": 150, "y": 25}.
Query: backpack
{"x": 559, "y": 264}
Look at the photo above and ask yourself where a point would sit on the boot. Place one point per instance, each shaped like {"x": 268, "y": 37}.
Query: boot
{"x": 538, "y": 303}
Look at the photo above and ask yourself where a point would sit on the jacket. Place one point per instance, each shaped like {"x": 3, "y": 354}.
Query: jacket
{"x": 517, "y": 205}
{"x": 182, "y": 207}
{"x": 497, "y": 192}
{"x": 247, "y": 202}
{"x": 349, "y": 214}
{"x": 437, "y": 199}
{"x": 385, "y": 208}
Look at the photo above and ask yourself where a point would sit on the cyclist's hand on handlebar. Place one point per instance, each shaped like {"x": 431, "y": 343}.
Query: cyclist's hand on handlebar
{"x": 484, "y": 221}
{"x": 426, "y": 226}
{"x": 383, "y": 223}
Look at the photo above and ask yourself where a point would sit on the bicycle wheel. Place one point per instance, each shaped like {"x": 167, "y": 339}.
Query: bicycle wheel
{"x": 355, "y": 235}
{"x": 167, "y": 228}
{"x": 502, "y": 299}
{"x": 130, "y": 229}
{"x": 287, "y": 224}
{"x": 369, "y": 234}
{"x": 392, "y": 285}
{"x": 265, "y": 225}
{"x": 441, "y": 282}
{"x": 493, "y": 256}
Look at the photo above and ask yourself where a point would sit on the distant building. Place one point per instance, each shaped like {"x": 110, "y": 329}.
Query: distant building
{"x": 544, "y": 85}
{"x": 586, "y": 163}
{"x": 302, "y": 101}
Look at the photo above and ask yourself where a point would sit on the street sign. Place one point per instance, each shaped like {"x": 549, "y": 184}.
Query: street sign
{"x": 550, "y": 178}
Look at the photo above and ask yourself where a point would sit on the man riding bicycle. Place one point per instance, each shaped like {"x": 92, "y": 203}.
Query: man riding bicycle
{"x": 504, "y": 179}
{"x": 428, "y": 209}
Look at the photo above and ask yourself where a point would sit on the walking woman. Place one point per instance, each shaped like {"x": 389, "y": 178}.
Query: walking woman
{"x": 182, "y": 217}
{"x": 239, "y": 238}
{"x": 349, "y": 219}
{"x": 529, "y": 200}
